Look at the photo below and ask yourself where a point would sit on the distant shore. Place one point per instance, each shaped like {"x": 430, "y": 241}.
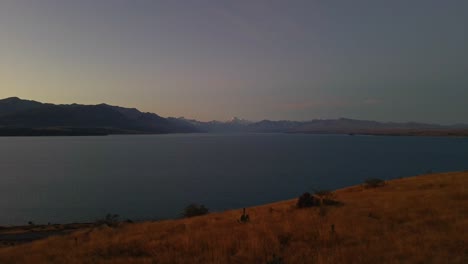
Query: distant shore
{"x": 38, "y": 132}
{"x": 412, "y": 133}
{"x": 53, "y": 132}
{"x": 63, "y": 131}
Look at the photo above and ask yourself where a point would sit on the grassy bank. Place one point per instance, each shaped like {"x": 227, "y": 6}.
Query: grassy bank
{"x": 422, "y": 219}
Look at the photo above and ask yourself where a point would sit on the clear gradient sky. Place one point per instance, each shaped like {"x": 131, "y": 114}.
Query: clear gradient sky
{"x": 381, "y": 60}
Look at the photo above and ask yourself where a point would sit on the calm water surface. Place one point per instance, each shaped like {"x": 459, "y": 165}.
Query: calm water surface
{"x": 67, "y": 179}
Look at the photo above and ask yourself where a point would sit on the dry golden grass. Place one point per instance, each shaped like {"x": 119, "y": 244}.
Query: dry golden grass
{"x": 421, "y": 219}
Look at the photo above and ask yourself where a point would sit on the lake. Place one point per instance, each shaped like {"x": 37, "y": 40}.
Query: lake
{"x": 78, "y": 179}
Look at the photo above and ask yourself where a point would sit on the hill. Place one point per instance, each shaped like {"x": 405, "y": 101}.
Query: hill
{"x": 23, "y": 117}
{"x": 422, "y": 219}
{"x": 332, "y": 126}
{"x": 20, "y": 117}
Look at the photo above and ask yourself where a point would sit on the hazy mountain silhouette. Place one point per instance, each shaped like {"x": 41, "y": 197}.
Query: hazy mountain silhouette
{"x": 329, "y": 126}
{"x": 14, "y": 104}
{"x": 23, "y": 115}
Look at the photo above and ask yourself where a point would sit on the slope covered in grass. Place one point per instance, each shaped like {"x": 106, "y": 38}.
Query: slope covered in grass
{"x": 422, "y": 219}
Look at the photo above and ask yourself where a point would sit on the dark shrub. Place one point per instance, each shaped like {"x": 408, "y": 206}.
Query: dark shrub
{"x": 307, "y": 200}
{"x": 284, "y": 239}
{"x": 194, "y": 210}
{"x": 327, "y": 197}
{"x": 111, "y": 220}
{"x": 275, "y": 260}
{"x": 244, "y": 217}
{"x": 373, "y": 183}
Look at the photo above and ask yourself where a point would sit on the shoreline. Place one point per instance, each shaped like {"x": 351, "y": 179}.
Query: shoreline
{"x": 417, "y": 219}
{"x": 20, "y": 234}
{"x": 71, "y": 133}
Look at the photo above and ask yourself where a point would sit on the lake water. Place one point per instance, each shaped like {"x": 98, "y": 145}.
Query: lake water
{"x": 75, "y": 179}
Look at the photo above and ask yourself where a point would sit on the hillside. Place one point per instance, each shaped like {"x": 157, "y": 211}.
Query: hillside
{"x": 332, "y": 126}
{"x": 23, "y": 118}
{"x": 422, "y": 219}
{"x": 20, "y": 117}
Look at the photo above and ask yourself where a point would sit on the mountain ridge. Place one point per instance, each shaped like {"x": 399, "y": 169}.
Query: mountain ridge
{"x": 24, "y": 115}
{"x": 28, "y": 117}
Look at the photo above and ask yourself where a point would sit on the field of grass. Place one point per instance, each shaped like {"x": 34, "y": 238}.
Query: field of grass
{"x": 422, "y": 219}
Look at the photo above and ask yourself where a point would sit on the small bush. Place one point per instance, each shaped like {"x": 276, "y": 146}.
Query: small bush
{"x": 111, "y": 220}
{"x": 194, "y": 210}
{"x": 307, "y": 200}
{"x": 276, "y": 260}
{"x": 373, "y": 183}
{"x": 244, "y": 217}
{"x": 284, "y": 239}
{"x": 325, "y": 195}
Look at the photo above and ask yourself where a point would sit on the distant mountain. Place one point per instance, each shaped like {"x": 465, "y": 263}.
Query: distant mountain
{"x": 239, "y": 121}
{"x": 346, "y": 125}
{"x": 330, "y": 126}
{"x": 29, "y": 117}
{"x": 24, "y": 117}
{"x": 14, "y": 104}
{"x": 268, "y": 126}
{"x": 460, "y": 126}
{"x": 234, "y": 125}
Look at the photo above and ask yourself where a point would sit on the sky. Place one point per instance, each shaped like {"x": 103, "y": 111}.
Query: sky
{"x": 298, "y": 60}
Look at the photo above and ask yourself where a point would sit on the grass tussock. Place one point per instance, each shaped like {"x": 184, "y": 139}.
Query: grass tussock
{"x": 421, "y": 219}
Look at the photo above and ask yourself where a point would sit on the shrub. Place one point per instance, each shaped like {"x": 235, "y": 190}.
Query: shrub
{"x": 327, "y": 197}
{"x": 244, "y": 217}
{"x": 194, "y": 210}
{"x": 307, "y": 200}
{"x": 373, "y": 183}
{"x": 275, "y": 260}
{"x": 111, "y": 220}
{"x": 284, "y": 239}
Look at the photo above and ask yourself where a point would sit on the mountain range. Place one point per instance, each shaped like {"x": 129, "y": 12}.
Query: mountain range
{"x": 26, "y": 117}
{"x": 20, "y": 117}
